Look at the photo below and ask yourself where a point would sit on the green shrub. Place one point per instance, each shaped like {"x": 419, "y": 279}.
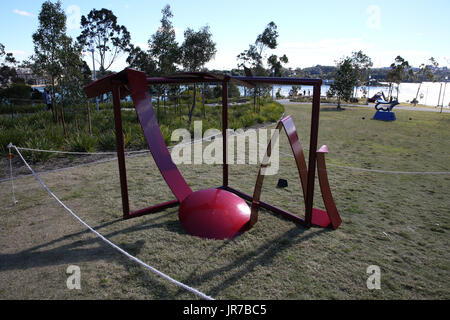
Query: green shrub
{"x": 166, "y": 133}
{"x": 55, "y": 136}
{"x": 38, "y": 130}
{"x": 15, "y": 136}
{"x": 10, "y": 109}
{"x": 38, "y": 142}
{"x": 107, "y": 141}
{"x": 83, "y": 143}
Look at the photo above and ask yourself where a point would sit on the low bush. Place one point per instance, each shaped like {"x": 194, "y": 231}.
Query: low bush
{"x": 107, "y": 141}
{"x": 38, "y": 130}
{"x": 83, "y": 142}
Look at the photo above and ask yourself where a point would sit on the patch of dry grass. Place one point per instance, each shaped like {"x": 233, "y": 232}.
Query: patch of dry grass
{"x": 398, "y": 222}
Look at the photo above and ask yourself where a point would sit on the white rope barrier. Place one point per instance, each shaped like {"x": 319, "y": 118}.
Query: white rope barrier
{"x": 378, "y": 170}
{"x": 79, "y": 153}
{"x": 126, "y": 152}
{"x": 161, "y": 274}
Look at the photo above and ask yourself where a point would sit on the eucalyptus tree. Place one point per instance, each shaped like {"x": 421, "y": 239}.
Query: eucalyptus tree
{"x": 425, "y": 72}
{"x": 7, "y": 67}
{"x": 109, "y": 39}
{"x": 197, "y": 49}
{"x": 400, "y": 71}
{"x": 48, "y": 43}
{"x": 345, "y": 80}
{"x": 361, "y": 64}
{"x": 141, "y": 60}
{"x": 163, "y": 54}
{"x": 255, "y": 56}
{"x": 275, "y": 64}
{"x": 75, "y": 73}
{"x": 164, "y": 48}
{"x": 57, "y": 58}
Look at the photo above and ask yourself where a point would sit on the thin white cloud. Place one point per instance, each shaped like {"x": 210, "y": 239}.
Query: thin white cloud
{"x": 384, "y": 58}
{"x": 328, "y": 51}
{"x": 17, "y": 53}
{"x": 23, "y": 13}
{"x": 324, "y": 51}
{"x": 143, "y": 45}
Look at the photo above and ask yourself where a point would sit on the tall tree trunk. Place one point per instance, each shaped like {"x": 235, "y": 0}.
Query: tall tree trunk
{"x": 439, "y": 98}
{"x": 417, "y": 94}
{"x": 157, "y": 108}
{"x": 164, "y": 103}
{"x": 54, "y": 108}
{"x": 254, "y": 100}
{"x": 63, "y": 122}
{"x": 203, "y": 101}
{"x": 89, "y": 117}
{"x": 191, "y": 112}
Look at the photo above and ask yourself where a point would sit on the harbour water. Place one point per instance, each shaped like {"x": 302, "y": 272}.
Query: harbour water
{"x": 429, "y": 92}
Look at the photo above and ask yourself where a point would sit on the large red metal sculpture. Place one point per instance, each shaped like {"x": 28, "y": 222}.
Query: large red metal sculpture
{"x": 221, "y": 212}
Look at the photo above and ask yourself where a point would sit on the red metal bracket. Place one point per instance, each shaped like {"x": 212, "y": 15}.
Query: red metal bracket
{"x": 315, "y": 216}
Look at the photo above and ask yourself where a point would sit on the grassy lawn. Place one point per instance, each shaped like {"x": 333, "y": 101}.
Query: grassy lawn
{"x": 399, "y": 222}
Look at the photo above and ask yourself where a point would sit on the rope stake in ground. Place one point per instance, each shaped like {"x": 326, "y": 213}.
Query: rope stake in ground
{"x": 10, "y": 145}
{"x": 182, "y": 285}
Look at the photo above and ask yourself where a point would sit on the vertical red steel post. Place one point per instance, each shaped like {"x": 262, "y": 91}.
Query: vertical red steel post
{"x": 120, "y": 148}
{"x": 224, "y": 131}
{"x": 312, "y": 154}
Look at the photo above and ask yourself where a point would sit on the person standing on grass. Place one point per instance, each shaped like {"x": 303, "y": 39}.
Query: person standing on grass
{"x": 48, "y": 99}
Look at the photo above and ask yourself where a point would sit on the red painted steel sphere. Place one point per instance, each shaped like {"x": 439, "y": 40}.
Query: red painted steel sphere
{"x": 214, "y": 213}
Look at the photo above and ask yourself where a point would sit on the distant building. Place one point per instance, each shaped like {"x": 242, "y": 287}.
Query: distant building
{"x": 27, "y": 75}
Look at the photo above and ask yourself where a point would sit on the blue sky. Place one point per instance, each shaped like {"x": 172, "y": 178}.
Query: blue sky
{"x": 311, "y": 32}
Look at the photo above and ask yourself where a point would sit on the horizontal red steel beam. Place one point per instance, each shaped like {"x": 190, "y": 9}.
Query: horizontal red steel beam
{"x": 105, "y": 85}
{"x": 265, "y": 205}
{"x": 245, "y": 81}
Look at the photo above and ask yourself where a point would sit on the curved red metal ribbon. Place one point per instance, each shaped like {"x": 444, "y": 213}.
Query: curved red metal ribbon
{"x": 330, "y": 217}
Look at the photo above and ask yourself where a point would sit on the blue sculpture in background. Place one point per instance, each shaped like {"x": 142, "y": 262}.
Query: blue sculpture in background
{"x": 384, "y": 110}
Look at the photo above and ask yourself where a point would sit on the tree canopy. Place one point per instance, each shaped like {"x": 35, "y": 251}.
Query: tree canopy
{"x": 101, "y": 29}
{"x": 197, "y": 49}
{"x": 7, "y": 67}
{"x": 48, "y": 40}
{"x": 57, "y": 58}
{"x": 164, "y": 48}
{"x": 344, "y": 81}
{"x": 362, "y": 64}
{"x": 255, "y": 55}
